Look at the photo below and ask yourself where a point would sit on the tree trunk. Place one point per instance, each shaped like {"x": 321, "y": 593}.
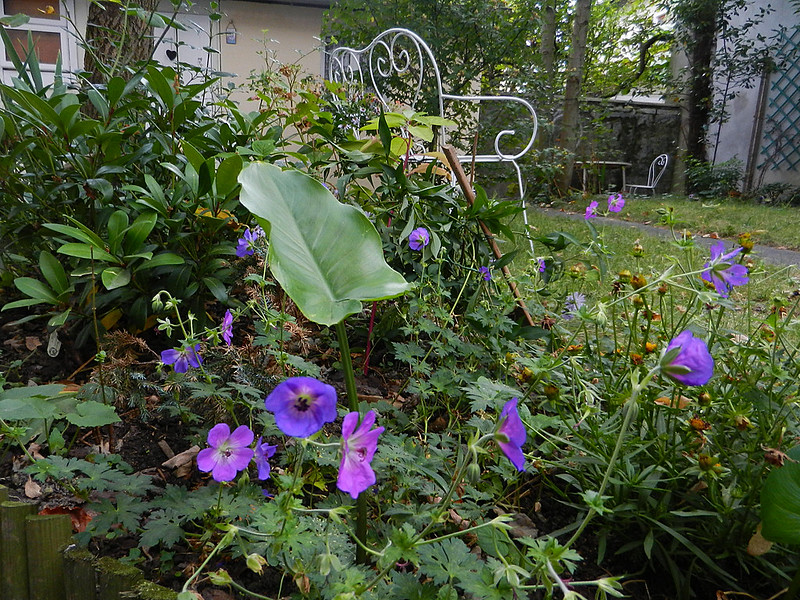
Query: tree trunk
{"x": 548, "y": 45}
{"x": 570, "y": 117}
{"x": 116, "y": 39}
{"x": 701, "y": 43}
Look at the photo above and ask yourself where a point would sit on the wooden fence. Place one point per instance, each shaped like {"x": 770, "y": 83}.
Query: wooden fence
{"x": 38, "y": 561}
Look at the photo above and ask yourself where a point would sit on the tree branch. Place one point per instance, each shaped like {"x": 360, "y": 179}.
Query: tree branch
{"x": 644, "y": 48}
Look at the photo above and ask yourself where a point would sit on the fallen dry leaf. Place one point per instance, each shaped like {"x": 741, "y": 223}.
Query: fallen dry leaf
{"x": 32, "y": 343}
{"x": 32, "y": 489}
{"x": 183, "y": 463}
{"x": 80, "y": 518}
{"x": 33, "y": 450}
{"x": 14, "y": 343}
{"x": 679, "y": 402}
{"x": 758, "y": 544}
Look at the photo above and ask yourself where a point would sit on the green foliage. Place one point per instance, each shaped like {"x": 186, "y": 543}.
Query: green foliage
{"x": 713, "y": 181}
{"x": 780, "y": 501}
{"x": 140, "y": 196}
{"x": 327, "y": 270}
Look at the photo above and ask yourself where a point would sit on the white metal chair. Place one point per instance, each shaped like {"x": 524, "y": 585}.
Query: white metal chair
{"x": 657, "y": 168}
{"x": 394, "y": 67}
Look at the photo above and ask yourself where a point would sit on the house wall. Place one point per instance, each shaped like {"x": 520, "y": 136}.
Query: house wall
{"x": 265, "y": 31}
{"x": 752, "y": 122}
{"x": 286, "y": 32}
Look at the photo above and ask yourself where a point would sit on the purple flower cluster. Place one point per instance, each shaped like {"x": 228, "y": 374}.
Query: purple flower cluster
{"x": 302, "y": 405}
{"x": 719, "y": 270}
{"x": 615, "y": 204}
{"x": 247, "y": 243}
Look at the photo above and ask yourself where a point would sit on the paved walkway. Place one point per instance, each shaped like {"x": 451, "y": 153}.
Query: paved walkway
{"x": 776, "y": 256}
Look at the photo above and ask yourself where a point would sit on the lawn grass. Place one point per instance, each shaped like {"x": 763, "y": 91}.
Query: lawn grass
{"x": 754, "y": 299}
{"x": 729, "y": 217}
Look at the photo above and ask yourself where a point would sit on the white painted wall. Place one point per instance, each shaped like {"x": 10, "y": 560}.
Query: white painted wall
{"x": 290, "y": 33}
{"x": 733, "y": 138}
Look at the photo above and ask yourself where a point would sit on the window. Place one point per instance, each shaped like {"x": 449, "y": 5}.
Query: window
{"x": 48, "y": 27}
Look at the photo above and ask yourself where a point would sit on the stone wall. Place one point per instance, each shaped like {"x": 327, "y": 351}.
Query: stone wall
{"x": 634, "y": 133}
{"x": 610, "y": 130}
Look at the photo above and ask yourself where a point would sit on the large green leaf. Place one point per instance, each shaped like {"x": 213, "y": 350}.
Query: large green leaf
{"x": 326, "y": 255}
{"x": 780, "y": 502}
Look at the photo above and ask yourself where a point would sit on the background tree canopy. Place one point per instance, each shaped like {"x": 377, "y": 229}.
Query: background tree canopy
{"x": 520, "y": 46}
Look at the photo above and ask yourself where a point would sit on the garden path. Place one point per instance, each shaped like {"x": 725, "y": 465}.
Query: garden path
{"x": 769, "y": 254}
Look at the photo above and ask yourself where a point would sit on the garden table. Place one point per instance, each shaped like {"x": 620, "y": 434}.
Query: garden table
{"x": 585, "y": 165}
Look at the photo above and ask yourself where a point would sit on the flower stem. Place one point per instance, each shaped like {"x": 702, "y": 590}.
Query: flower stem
{"x": 636, "y": 389}
{"x": 352, "y": 396}
{"x": 347, "y": 366}
{"x": 226, "y": 539}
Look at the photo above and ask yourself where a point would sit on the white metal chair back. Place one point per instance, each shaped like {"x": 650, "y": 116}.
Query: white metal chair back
{"x": 654, "y": 174}
{"x": 399, "y": 67}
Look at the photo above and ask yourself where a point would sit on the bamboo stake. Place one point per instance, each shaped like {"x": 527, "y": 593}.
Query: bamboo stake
{"x": 46, "y": 535}
{"x": 80, "y": 580}
{"x": 469, "y": 194}
{"x": 14, "y": 565}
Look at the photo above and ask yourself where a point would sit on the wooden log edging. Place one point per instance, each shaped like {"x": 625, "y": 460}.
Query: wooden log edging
{"x": 40, "y": 561}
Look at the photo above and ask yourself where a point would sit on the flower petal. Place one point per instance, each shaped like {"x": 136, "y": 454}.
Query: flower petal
{"x": 241, "y": 437}
{"x": 207, "y": 459}
{"x": 218, "y": 435}
{"x": 514, "y": 454}
{"x": 354, "y": 476}
{"x": 169, "y": 356}
{"x": 693, "y": 356}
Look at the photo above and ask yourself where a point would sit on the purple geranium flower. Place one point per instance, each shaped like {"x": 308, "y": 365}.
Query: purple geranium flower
{"x": 188, "y": 356}
{"x": 511, "y": 434}
{"x": 358, "y": 448}
{"x": 485, "y": 273}
{"x": 419, "y": 238}
{"x": 687, "y": 360}
{"x": 302, "y": 405}
{"x": 263, "y": 453}
{"x": 572, "y": 303}
{"x": 247, "y": 242}
{"x": 616, "y": 202}
{"x": 721, "y": 272}
{"x": 227, "y": 327}
{"x": 229, "y": 452}
{"x": 591, "y": 210}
